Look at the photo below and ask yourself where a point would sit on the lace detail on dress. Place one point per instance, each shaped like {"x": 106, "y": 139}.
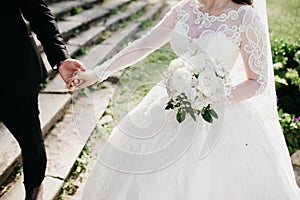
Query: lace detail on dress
{"x": 183, "y": 17}
{"x": 255, "y": 45}
{"x": 190, "y": 16}
{"x": 232, "y": 33}
{"x": 205, "y": 19}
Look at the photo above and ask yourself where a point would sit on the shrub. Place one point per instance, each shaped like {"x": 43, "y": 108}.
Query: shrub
{"x": 291, "y": 127}
{"x": 286, "y": 59}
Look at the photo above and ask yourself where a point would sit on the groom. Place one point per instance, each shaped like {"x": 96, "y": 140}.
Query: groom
{"x": 21, "y": 73}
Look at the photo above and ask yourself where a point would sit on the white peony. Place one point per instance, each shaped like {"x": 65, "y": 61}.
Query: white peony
{"x": 200, "y": 61}
{"x": 180, "y": 81}
{"x": 176, "y": 64}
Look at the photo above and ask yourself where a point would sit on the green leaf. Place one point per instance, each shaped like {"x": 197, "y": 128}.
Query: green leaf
{"x": 170, "y": 105}
{"x": 189, "y": 110}
{"x": 206, "y": 116}
{"x": 193, "y": 115}
{"x": 180, "y": 115}
{"x": 213, "y": 113}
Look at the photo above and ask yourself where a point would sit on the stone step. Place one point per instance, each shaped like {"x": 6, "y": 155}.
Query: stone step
{"x": 9, "y": 153}
{"x": 99, "y": 11}
{"x": 86, "y": 38}
{"x": 52, "y": 108}
{"x": 62, "y": 8}
{"x": 68, "y": 25}
{"x": 65, "y": 143}
{"x": 50, "y": 189}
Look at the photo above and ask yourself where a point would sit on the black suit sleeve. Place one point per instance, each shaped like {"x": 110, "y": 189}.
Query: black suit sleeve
{"x": 43, "y": 24}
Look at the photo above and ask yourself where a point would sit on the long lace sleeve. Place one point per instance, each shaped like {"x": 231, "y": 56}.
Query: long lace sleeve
{"x": 254, "y": 53}
{"x": 135, "y": 51}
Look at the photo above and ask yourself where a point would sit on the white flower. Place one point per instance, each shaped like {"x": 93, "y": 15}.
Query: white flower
{"x": 208, "y": 82}
{"x": 176, "y": 64}
{"x": 218, "y": 95}
{"x": 200, "y": 61}
{"x": 221, "y": 70}
{"x": 180, "y": 80}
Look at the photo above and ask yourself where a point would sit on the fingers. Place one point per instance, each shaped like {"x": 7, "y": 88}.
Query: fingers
{"x": 73, "y": 65}
{"x": 80, "y": 79}
{"x": 76, "y": 80}
{"x": 82, "y": 68}
{"x": 74, "y": 83}
{"x": 71, "y": 85}
{"x": 79, "y": 66}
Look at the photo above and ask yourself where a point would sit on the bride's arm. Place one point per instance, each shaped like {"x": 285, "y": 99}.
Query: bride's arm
{"x": 254, "y": 53}
{"x": 136, "y": 51}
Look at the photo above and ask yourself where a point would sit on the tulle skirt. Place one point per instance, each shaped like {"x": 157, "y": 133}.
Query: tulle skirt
{"x": 150, "y": 156}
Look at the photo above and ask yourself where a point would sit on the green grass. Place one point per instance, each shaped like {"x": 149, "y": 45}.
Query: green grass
{"x": 284, "y": 16}
{"x": 137, "y": 80}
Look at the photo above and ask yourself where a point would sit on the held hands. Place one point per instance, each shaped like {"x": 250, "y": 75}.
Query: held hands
{"x": 68, "y": 67}
{"x": 82, "y": 79}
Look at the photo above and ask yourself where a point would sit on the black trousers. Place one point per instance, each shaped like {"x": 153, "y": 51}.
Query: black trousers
{"x": 20, "y": 114}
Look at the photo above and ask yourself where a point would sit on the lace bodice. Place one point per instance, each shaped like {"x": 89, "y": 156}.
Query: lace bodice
{"x": 237, "y": 32}
{"x": 194, "y": 29}
{"x": 223, "y": 36}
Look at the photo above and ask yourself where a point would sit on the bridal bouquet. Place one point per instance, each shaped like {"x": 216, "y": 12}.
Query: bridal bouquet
{"x": 194, "y": 83}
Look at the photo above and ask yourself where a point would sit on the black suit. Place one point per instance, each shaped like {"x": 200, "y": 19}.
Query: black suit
{"x": 21, "y": 73}
{"x": 20, "y": 70}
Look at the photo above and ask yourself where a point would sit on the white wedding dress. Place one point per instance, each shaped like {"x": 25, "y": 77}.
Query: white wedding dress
{"x": 240, "y": 156}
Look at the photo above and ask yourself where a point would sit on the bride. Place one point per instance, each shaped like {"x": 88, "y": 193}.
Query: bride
{"x": 241, "y": 155}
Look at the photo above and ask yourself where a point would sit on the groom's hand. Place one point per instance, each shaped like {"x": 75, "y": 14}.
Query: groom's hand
{"x": 68, "y": 67}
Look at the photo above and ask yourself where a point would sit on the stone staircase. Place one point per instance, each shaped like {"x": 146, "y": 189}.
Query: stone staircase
{"x": 94, "y": 30}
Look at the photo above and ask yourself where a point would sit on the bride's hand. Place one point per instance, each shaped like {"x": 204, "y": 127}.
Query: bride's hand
{"x": 82, "y": 79}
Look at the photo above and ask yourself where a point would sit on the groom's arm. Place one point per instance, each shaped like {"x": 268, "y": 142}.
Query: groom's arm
{"x": 43, "y": 24}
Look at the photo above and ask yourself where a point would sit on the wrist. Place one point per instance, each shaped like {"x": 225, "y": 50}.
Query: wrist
{"x": 102, "y": 74}
{"x": 56, "y": 67}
